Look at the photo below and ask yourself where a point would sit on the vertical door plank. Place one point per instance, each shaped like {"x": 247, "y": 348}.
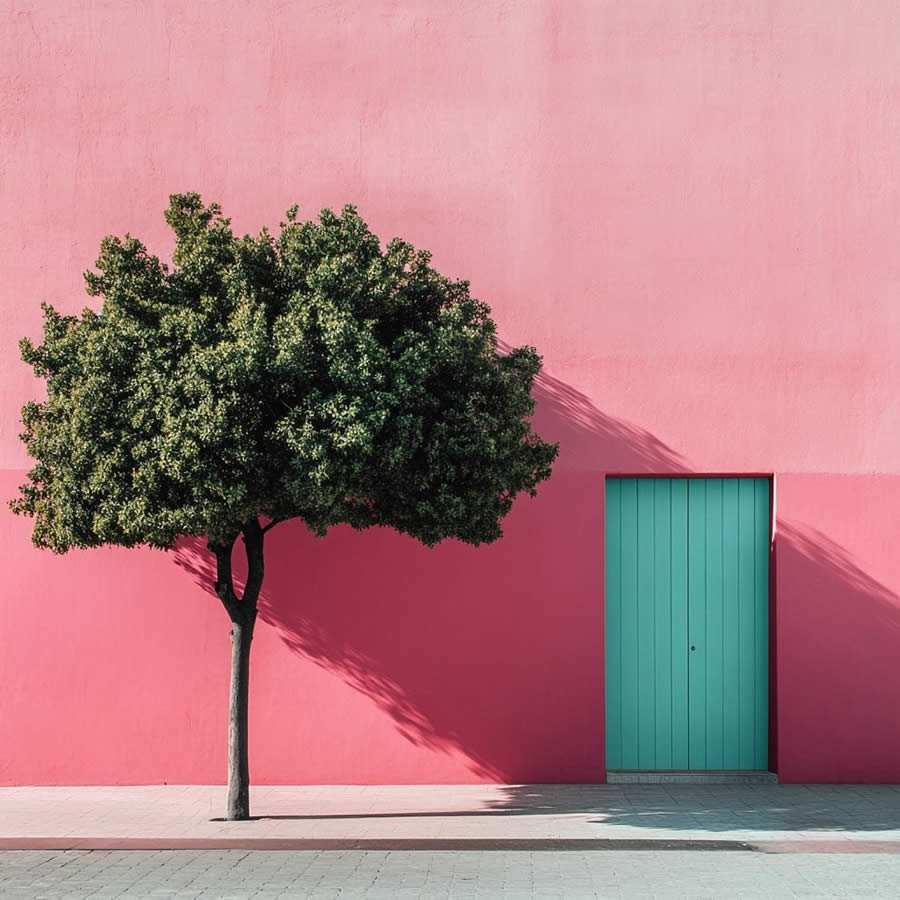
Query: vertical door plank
{"x": 746, "y": 626}
{"x": 730, "y": 628}
{"x": 679, "y": 607}
{"x": 613, "y": 624}
{"x": 629, "y": 580}
{"x": 646, "y": 639}
{"x": 697, "y": 622}
{"x": 713, "y": 650}
{"x": 662, "y": 599}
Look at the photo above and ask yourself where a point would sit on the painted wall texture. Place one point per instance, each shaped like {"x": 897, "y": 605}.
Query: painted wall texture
{"x": 691, "y": 209}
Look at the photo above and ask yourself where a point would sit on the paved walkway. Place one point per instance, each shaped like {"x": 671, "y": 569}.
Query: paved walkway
{"x": 267, "y": 875}
{"x": 771, "y": 817}
{"x": 628, "y": 841}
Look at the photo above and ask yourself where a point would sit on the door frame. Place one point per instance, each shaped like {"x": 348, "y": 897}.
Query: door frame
{"x": 773, "y": 606}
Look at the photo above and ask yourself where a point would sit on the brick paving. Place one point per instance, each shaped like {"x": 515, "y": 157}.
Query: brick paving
{"x": 266, "y": 875}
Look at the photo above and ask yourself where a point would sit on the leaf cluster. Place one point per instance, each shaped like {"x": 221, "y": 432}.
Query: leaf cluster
{"x": 311, "y": 374}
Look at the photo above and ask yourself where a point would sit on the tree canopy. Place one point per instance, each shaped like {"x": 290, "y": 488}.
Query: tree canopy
{"x": 311, "y": 374}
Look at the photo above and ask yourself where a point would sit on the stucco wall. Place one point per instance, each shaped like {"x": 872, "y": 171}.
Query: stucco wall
{"x": 691, "y": 209}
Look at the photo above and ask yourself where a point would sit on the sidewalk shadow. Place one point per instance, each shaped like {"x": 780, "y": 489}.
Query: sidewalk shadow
{"x": 719, "y": 808}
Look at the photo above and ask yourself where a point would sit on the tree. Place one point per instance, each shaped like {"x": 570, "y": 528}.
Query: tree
{"x": 311, "y": 375}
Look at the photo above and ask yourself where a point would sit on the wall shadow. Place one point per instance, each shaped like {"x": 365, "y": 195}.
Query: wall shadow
{"x": 495, "y": 654}
{"x": 591, "y": 440}
{"x": 839, "y": 647}
{"x": 491, "y": 653}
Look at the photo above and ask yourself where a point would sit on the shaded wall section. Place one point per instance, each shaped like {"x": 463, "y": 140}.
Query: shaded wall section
{"x": 838, "y": 629}
{"x": 379, "y": 660}
{"x": 375, "y": 660}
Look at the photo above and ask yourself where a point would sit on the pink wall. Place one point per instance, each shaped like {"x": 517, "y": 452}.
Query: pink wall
{"x": 691, "y": 209}
{"x": 838, "y": 613}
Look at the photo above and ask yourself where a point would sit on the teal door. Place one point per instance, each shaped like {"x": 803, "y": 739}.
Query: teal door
{"x": 687, "y": 623}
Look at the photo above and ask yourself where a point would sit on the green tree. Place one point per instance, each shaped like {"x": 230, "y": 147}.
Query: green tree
{"x": 312, "y": 375}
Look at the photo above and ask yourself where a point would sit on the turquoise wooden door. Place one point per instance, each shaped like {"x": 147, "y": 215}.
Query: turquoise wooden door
{"x": 687, "y": 608}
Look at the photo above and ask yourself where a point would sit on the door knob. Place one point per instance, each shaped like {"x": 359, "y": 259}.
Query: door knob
{"x": 693, "y": 647}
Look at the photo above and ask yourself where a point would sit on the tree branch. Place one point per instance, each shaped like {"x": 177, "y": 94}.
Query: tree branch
{"x": 272, "y": 524}
{"x": 224, "y": 585}
{"x": 253, "y": 546}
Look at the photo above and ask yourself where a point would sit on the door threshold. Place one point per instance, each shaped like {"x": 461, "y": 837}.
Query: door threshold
{"x": 632, "y": 776}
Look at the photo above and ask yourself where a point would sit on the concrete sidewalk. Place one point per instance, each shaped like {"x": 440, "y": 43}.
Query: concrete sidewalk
{"x": 805, "y": 818}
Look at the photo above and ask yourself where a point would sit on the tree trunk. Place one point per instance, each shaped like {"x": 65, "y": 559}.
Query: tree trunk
{"x": 238, "y": 759}
{"x": 242, "y": 612}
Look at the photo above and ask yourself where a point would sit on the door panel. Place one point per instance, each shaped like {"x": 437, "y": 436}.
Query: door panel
{"x": 687, "y": 566}
{"x": 646, "y": 666}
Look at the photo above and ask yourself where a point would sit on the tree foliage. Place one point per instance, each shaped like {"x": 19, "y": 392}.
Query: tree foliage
{"x": 311, "y": 374}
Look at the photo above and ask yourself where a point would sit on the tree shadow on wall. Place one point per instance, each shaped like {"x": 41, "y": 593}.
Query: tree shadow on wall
{"x": 491, "y": 653}
{"x": 591, "y": 440}
{"x": 843, "y": 630}
{"x": 494, "y": 654}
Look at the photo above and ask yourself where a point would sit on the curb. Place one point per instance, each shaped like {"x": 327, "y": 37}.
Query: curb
{"x": 445, "y": 844}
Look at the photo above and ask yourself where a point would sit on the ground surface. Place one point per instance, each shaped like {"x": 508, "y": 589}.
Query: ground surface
{"x": 265, "y": 875}
{"x": 571, "y": 841}
{"x": 814, "y": 813}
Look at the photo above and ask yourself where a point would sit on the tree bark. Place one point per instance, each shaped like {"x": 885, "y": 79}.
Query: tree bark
{"x": 242, "y": 612}
{"x": 238, "y": 804}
